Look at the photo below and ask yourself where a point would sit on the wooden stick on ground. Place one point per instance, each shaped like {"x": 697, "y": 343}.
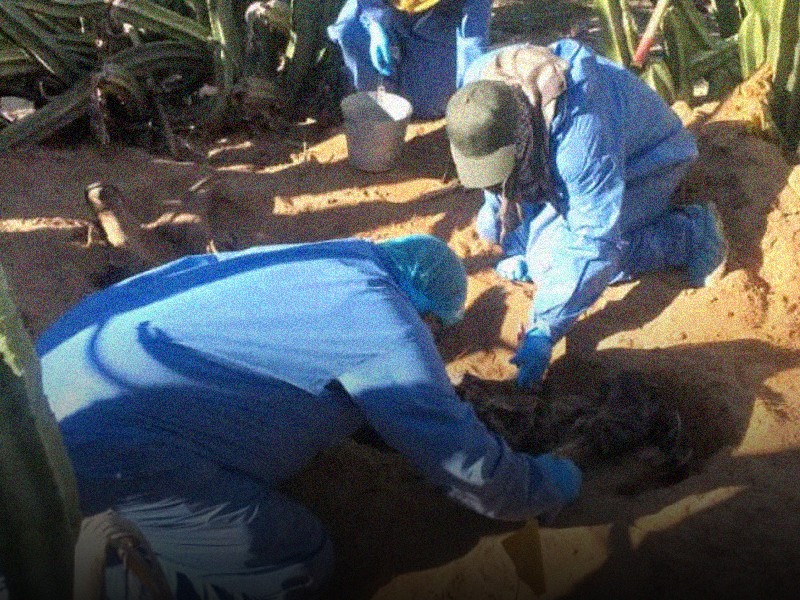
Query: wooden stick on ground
{"x": 139, "y": 247}
{"x": 108, "y": 220}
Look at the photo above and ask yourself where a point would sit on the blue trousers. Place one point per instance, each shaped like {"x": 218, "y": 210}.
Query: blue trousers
{"x": 258, "y": 546}
{"x": 433, "y": 54}
{"x": 221, "y": 536}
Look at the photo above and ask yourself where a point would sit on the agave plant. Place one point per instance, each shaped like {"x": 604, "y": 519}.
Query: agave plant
{"x": 720, "y": 50}
{"x": 73, "y": 57}
{"x": 690, "y": 53}
{"x": 39, "y": 516}
{"x": 127, "y": 61}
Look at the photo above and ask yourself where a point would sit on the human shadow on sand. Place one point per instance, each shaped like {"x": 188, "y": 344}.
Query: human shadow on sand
{"x": 735, "y": 535}
{"x": 290, "y": 167}
{"x": 247, "y": 208}
{"x": 714, "y": 522}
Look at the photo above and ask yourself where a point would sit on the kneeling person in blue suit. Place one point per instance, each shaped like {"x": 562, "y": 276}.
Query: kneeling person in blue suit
{"x": 578, "y": 159}
{"x": 188, "y": 393}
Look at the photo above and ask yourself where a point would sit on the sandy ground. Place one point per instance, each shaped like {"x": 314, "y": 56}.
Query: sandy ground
{"x": 727, "y": 357}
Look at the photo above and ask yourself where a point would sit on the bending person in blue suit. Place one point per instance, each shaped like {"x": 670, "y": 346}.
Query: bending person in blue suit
{"x": 188, "y": 393}
{"x": 419, "y": 49}
{"x": 579, "y": 160}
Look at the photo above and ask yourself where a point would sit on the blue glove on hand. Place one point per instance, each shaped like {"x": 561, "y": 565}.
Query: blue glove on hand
{"x": 532, "y": 358}
{"x": 563, "y": 474}
{"x": 514, "y": 268}
{"x": 562, "y": 479}
{"x": 380, "y": 49}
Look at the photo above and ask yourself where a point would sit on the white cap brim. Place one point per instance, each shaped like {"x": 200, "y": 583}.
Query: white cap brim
{"x": 484, "y": 171}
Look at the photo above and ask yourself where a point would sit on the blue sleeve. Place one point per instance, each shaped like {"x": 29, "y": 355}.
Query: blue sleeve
{"x": 407, "y": 397}
{"x": 472, "y": 36}
{"x": 376, "y": 10}
{"x": 589, "y": 160}
{"x": 487, "y": 223}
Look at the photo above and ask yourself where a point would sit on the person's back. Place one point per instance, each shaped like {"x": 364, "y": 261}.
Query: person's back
{"x": 648, "y": 131}
{"x": 652, "y": 135}
{"x": 179, "y": 360}
{"x": 186, "y": 393}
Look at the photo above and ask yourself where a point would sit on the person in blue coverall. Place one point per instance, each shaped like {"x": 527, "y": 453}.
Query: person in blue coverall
{"x": 579, "y": 160}
{"x": 188, "y": 393}
{"x": 419, "y": 49}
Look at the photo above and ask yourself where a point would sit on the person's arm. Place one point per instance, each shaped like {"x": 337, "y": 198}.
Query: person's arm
{"x": 487, "y": 223}
{"x": 472, "y": 36}
{"x": 407, "y": 398}
{"x": 590, "y": 161}
{"x": 514, "y": 266}
{"x": 376, "y": 18}
{"x": 376, "y": 10}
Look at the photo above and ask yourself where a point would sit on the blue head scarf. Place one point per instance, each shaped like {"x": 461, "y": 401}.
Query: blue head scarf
{"x": 431, "y": 274}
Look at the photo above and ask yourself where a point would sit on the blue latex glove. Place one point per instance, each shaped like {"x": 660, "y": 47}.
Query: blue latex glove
{"x": 514, "y": 268}
{"x": 533, "y": 358}
{"x": 563, "y": 473}
{"x": 564, "y": 478}
{"x": 380, "y": 49}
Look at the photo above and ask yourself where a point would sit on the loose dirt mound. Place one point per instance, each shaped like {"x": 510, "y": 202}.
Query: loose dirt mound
{"x": 727, "y": 357}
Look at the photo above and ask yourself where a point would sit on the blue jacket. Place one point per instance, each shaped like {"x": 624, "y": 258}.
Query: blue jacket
{"x": 610, "y": 129}
{"x": 259, "y": 359}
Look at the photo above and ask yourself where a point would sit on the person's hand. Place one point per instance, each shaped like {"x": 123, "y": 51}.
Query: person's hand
{"x": 563, "y": 478}
{"x": 532, "y": 358}
{"x": 514, "y": 268}
{"x": 380, "y": 49}
{"x": 563, "y": 474}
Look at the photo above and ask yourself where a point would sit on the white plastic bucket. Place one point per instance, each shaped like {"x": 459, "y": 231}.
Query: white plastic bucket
{"x": 375, "y": 129}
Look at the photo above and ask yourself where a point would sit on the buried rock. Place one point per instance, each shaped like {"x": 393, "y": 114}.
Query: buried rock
{"x": 625, "y": 414}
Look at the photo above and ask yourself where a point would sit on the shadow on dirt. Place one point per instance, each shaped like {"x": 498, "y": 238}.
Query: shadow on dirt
{"x": 244, "y": 208}
{"x": 726, "y": 539}
{"x": 301, "y": 162}
{"x": 486, "y": 313}
{"x": 642, "y": 304}
{"x": 715, "y": 404}
{"x": 384, "y": 518}
{"x": 713, "y": 387}
{"x": 743, "y": 175}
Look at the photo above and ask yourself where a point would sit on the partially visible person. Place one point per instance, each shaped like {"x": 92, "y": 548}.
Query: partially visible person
{"x": 579, "y": 161}
{"x": 186, "y": 394}
{"x": 419, "y": 49}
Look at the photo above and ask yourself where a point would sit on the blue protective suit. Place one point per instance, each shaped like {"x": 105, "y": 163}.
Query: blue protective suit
{"x": 435, "y": 48}
{"x": 187, "y": 393}
{"x": 618, "y": 153}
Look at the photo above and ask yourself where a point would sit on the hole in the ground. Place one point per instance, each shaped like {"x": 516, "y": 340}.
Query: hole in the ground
{"x": 662, "y": 425}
